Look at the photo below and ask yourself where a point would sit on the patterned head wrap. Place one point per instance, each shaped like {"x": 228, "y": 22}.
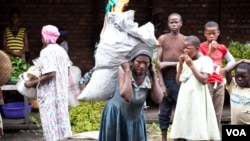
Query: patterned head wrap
{"x": 50, "y": 34}
{"x": 141, "y": 49}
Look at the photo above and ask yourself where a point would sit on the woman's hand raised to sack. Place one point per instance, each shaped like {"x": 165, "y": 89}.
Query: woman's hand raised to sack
{"x": 152, "y": 69}
{"x": 125, "y": 66}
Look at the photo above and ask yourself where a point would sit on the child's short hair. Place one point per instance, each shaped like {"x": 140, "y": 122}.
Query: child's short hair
{"x": 194, "y": 40}
{"x": 175, "y": 14}
{"x": 211, "y": 24}
{"x": 244, "y": 66}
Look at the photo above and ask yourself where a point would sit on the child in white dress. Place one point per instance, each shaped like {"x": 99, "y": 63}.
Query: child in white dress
{"x": 194, "y": 117}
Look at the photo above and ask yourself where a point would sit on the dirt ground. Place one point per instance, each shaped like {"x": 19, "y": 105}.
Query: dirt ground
{"x": 152, "y": 129}
{"x": 22, "y": 135}
{"x": 34, "y": 135}
{"x": 29, "y": 135}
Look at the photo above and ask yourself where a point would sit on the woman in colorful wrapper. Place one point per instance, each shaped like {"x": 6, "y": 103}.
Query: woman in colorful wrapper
{"x": 52, "y": 93}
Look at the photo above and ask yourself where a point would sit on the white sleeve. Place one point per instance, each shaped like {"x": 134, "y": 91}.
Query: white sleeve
{"x": 229, "y": 57}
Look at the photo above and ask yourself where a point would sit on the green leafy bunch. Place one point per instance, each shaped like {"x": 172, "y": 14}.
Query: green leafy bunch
{"x": 19, "y": 66}
{"x": 239, "y": 50}
{"x": 86, "y": 116}
{"x": 154, "y": 61}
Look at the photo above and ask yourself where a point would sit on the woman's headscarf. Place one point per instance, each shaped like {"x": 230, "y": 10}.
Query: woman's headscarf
{"x": 50, "y": 34}
{"x": 141, "y": 49}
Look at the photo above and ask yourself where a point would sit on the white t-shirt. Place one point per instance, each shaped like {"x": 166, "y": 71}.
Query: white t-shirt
{"x": 240, "y": 103}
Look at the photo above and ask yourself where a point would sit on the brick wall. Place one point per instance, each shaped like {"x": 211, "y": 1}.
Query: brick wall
{"x": 84, "y": 19}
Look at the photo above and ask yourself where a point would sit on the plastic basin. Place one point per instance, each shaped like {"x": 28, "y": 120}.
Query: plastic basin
{"x": 15, "y": 110}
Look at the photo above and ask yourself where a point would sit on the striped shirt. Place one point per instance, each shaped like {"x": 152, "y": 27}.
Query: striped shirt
{"x": 15, "y": 43}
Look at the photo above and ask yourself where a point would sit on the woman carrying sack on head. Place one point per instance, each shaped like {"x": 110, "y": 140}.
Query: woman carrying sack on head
{"x": 123, "y": 115}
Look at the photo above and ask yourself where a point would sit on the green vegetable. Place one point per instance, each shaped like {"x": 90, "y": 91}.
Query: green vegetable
{"x": 86, "y": 116}
{"x": 19, "y": 66}
{"x": 239, "y": 51}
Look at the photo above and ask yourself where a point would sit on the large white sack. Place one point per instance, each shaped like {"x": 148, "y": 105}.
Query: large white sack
{"x": 107, "y": 57}
{"x": 101, "y": 85}
{"x": 119, "y": 35}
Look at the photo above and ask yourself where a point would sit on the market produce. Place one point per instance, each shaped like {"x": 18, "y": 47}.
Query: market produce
{"x": 19, "y": 66}
{"x": 239, "y": 50}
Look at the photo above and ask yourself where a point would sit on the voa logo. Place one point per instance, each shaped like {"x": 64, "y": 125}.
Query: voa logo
{"x": 236, "y": 132}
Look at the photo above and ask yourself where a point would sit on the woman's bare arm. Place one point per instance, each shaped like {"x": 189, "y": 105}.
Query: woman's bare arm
{"x": 44, "y": 78}
{"x": 124, "y": 80}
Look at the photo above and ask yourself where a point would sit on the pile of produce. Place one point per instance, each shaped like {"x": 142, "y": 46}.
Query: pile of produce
{"x": 19, "y": 66}
{"x": 86, "y": 116}
{"x": 239, "y": 50}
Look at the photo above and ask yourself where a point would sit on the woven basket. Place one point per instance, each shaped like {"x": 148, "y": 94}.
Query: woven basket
{"x": 6, "y": 68}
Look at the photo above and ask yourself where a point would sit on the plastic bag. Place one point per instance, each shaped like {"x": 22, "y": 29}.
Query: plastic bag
{"x": 74, "y": 88}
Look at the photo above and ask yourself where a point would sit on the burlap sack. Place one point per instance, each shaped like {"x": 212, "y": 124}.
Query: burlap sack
{"x": 5, "y": 68}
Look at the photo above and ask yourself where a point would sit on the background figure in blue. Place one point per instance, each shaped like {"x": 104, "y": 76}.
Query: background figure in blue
{"x": 87, "y": 76}
{"x": 62, "y": 40}
{"x": 85, "y": 79}
{"x": 123, "y": 115}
